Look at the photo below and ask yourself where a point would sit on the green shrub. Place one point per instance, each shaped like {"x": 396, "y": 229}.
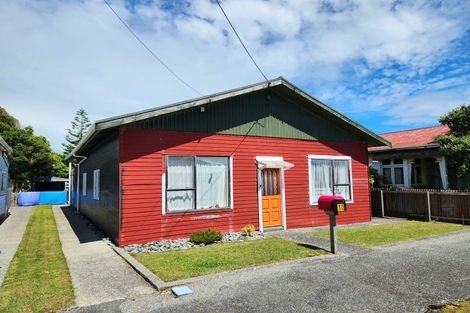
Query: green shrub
{"x": 206, "y": 237}
{"x": 248, "y": 230}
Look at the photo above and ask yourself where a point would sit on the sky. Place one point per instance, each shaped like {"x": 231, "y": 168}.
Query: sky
{"x": 389, "y": 65}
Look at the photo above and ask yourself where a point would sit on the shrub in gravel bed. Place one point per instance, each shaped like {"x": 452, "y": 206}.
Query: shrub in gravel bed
{"x": 206, "y": 237}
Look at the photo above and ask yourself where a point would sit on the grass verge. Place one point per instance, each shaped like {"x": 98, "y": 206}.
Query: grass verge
{"x": 38, "y": 279}
{"x": 457, "y": 307}
{"x": 371, "y": 236}
{"x": 180, "y": 264}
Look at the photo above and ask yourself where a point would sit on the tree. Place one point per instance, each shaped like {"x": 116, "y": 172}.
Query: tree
{"x": 31, "y": 158}
{"x": 80, "y": 126}
{"x": 59, "y": 168}
{"x": 457, "y": 144}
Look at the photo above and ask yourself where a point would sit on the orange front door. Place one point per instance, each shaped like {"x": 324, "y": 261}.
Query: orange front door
{"x": 271, "y": 197}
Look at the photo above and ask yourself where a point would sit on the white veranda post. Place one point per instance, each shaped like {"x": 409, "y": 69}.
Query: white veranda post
{"x": 443, "y": 169}
{"x": 407, "y": 164}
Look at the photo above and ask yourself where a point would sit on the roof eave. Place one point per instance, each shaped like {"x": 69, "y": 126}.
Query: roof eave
{"x": 154, "y": 112}
{"x": 418, "y": 147}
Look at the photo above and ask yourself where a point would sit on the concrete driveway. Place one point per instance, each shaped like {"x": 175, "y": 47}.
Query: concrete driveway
{"x": 98, "y": 273}
{"x": 405, "y": 277}
{"x": 11, "y": 233}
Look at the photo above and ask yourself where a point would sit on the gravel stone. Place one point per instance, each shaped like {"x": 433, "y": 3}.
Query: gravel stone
{"x": 179, "y": 244}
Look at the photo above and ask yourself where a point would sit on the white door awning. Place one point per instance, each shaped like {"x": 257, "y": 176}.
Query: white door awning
{"x": 273, "y": 162}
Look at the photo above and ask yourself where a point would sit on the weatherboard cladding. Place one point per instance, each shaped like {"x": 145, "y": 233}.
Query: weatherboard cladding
{"x": 103, "y": 212}
{"x": 265, "y": 113}
{"x": 142, "y": 165}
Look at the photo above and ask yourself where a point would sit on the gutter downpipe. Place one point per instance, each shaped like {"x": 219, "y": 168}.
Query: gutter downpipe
{"x": 69, "y": 198}
{"x": 78, "y": 179}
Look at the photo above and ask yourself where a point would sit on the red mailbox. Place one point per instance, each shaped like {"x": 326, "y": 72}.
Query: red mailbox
{"x": 331, "y": 203}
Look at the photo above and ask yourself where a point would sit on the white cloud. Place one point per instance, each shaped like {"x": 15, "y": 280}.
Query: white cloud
{"x": 427, "y": 107}
{"x": 58, "y": 56}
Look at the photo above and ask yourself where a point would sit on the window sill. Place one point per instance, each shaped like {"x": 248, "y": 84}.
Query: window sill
{"x": 200, "y": 211}
{"x": 347, "y": 202}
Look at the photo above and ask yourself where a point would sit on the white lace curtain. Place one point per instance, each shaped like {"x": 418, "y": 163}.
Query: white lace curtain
{"x": 210, "y": 188}
{"x": 212, "y": 182}
{"x": 180, "y": 176}
{"x": 322, "y": 180}
{"x": 328, "y": 176}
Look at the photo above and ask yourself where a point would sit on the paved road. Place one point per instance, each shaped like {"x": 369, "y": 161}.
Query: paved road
{"x": 400, "y": 278}
{"x": 11, "y": 233}
{"x": 98, "y": 273}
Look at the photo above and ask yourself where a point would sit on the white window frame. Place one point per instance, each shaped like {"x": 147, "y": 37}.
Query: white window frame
{"x": 392, "y": 166}
{"x": 314, "y": 201}
{"x": 96, "y": 184}
{"x": 5, "y": 181}
{"x": 165, "y": 184}
{"x": 3, "y": 186}
{"x": 84, "y": 184}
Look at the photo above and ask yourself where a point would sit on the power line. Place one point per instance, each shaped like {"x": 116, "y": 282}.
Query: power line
{"x": 150, "y": 50}
{"x": 233, "y": 28}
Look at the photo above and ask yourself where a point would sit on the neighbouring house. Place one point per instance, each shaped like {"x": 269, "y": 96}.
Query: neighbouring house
{"x": 5, "y": 192}
{"x": 414, "y": 160}
{"x": 260, "y": 154}
{"x": 51, "y": 184}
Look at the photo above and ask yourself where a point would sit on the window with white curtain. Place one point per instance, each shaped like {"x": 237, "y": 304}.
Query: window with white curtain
{"x": 96, "y": 184}
{"x": 330, "y": 175}
{"x": 84, "y": 179}
{"x": 195, "y": 183}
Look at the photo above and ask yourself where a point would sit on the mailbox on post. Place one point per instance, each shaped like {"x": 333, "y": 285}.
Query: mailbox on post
{"x": 332, "y": 205}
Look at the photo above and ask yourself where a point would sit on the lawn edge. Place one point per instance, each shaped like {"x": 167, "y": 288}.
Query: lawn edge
{"x": 453, "y": 232}
{"x": 456, "y": 232}
{"x": 161, "y": 285}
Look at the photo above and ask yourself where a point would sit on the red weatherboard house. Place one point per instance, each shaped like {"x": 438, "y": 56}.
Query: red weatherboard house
{"x": 260, "y": 154}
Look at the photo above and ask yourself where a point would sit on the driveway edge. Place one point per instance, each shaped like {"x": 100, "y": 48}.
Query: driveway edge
{"x": 150, "y": 277}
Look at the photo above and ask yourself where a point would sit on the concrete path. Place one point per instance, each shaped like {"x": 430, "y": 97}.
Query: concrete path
{"x": 11, "y": 233}
{"x": 405, "y": 277}
{"x": 98, "y": 273}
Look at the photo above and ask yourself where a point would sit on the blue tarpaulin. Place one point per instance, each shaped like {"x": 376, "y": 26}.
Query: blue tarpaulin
{"x": 28, "y": 198}
{"x": 43, "y": 197}
{"x": 53, "y": 197}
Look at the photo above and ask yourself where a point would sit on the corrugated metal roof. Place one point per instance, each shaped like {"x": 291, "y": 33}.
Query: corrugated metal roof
{"x": 121, "y": 120}
{"x": 413, "y": 138}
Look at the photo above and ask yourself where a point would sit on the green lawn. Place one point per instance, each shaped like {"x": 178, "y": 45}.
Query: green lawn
{"x": 38, "y": 279}
{"x": 371, "y": 236}
{"x": 180, "y": 264}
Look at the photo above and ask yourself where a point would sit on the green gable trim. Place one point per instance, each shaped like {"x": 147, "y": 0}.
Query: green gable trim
{"x": 265, "y": 113}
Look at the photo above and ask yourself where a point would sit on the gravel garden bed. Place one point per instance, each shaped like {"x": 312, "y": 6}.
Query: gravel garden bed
{"x": 165, "y": 245}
